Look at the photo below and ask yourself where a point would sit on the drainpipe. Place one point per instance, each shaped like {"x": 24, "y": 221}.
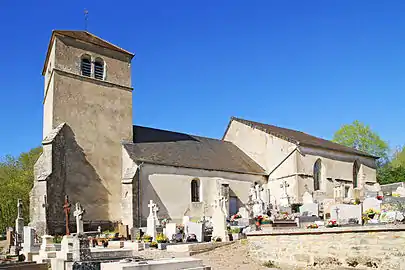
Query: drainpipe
{"x": 139, "y": 195}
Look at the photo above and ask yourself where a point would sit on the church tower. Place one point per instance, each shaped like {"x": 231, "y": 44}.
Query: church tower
{"x": 87, "y": 115}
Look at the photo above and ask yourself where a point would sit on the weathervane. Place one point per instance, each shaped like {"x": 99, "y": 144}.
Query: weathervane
{"x": 86, "y": 14}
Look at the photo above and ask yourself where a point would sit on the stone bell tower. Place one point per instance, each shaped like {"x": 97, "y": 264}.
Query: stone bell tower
{"x": 87, "y": 114}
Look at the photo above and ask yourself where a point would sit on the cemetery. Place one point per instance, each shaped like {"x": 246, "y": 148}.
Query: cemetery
{"x": 261, "y": 221}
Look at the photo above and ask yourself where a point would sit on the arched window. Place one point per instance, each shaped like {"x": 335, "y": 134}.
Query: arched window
{"x": 356, "y": 168}
{"x": 195, "y": 190}
{"x": 99, "y": 69}
{"x": 317, "y": 174}
{"x": 85, "y": 66}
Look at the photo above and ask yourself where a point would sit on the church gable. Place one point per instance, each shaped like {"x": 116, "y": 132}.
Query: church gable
{"x": 183, "y": 150}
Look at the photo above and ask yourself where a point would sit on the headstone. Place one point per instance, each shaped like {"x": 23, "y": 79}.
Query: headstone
{"x": 19, "y": 225}
{"x": 123, "y": 230}
{"x": 29, "y": 238}
{"x": 195, "y": 228}
{"x": 151, "y": 221}
{"x": 186, "y": 219}
{"x": 9, "y": 237}
{"x": 78, "y": 213}
{"x": 399, "y": 192}
{"x": 219, "y": 221}
{"x": 307, "y": 198}
{"x": 258, "y": 209}
{"x": 170, "y": 230}
{"x": 343, "y": 212}
{"x": 311, "y": 209}
{"x": 243, "y": 222}
{"x": 243, "y": 212}
{"x": 371, "y": 203}
{"x": 48, "y": 248}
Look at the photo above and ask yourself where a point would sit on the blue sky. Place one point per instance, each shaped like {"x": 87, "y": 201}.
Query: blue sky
{"x": 306, "y": 65}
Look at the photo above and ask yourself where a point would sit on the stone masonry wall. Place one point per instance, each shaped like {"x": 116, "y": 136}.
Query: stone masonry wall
{"x": 362, "y": 250}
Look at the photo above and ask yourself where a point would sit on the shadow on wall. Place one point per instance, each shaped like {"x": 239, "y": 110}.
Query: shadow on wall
{"x": 80, "y": 182}
{"x": 149, "y": 135}
{"x": 162, "y": 213}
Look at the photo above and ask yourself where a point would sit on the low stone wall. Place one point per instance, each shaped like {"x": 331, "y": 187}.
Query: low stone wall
{"x": 373, "y": 247}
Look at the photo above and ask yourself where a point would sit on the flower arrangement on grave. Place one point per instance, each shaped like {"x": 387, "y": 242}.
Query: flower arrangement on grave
{"x": 216, "y": 239}
{"x": 312, "y": 226}
{"x": 332, "y": 223}
{"x": 154, "y": 244}
{"x": 147, "y": 238}
{"x": 164, "y": 222}
{"x": 180, "y": 228}
{"x": 380, "y": 197}
{"x": 161, "y": 238}
{"x": 236, "y": 216}
{"x": 370, "y": 213}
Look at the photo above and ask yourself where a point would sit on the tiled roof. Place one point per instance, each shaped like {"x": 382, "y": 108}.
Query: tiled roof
{"x": 183, "y": 150}
{"x": 301, "y": 138}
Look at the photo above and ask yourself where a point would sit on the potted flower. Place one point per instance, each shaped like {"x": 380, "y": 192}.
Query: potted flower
{"x": 161, "y": 240}
{"x": 236, "y": 235}
{"x": 154, "y": 244}
{"x": 236, "y": 216}
{"x": 312, "y": 226}
{"x": 147, "y": 239}
{"x": 332, "y": 223}
{"x": 216, "y": 239}
{"x": 259, "y": 222}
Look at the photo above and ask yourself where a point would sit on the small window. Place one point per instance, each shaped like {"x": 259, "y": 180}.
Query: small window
{"x": 99, "y": 69}
{"x": 195, "y": 190}
{"x": 317, "y": 174}
{"x": 86, "y": 67}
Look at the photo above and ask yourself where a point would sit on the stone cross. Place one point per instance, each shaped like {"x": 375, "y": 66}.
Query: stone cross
{"x": 45, "y": 205}
{"x": 284, "y": 185}
{"x": 151, "y": 206}
{"x": 66, "y": 208}
{"x": 19, "y": 208}
{"x": 78, "y": 213}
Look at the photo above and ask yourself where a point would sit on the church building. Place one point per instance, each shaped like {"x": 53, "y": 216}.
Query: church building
{"x": 93, "y": 153}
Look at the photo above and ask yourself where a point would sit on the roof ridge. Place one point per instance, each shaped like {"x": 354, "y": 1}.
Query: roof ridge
{"x": 166, "y": 130}
{"x": 303, "y": 141}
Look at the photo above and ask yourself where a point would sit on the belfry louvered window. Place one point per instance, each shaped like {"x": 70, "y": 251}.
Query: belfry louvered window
{"x": 86, "y": 67}
{"x": 99, "y": 69}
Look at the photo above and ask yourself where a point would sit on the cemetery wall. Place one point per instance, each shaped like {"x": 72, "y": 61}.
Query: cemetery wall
{"x": 384, "y": 248}
{"x": 170, "y": 188}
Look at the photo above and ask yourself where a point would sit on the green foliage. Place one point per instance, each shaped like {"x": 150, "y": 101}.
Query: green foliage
{"x": 361, "y": 137}
{"x": 16, "y": 181}
{"x": 399, "y": 157}
{"x": 235, "y": 230}
{"x": 391, "y": 174}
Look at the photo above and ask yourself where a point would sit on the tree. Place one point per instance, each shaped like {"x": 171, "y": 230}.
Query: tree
{"x": 391, "y": 174}
{"x": 16, "y": 181}
{"x": 361, "y": 137}
{"x": 399, "y": 157}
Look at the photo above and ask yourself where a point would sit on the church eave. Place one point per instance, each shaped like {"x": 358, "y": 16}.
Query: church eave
{"x": 142, "y": 161}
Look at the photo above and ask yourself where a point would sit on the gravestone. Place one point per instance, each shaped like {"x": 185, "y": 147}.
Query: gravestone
{"x": 78, "y": 213}
{"x": 342, "y": 213}
{"x": 243, "y": 212}
{"x": 195, "y": 228}
{"x": 311, "y": 209}
{"x": 400, "y": 192}
{"x": 307, "y": 198}
{"x": 123, "y": 230}
{"x": 29, "y": 238}
{"x": 9, "y": 238}
{"x": 151, "y": 221}
{"x": 371, "y": 203}
{"x": 171, "y": 229}
{"x": 219, "y": 221}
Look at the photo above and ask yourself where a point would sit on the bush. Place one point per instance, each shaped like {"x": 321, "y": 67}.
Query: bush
{"x": 154, "y": 244}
